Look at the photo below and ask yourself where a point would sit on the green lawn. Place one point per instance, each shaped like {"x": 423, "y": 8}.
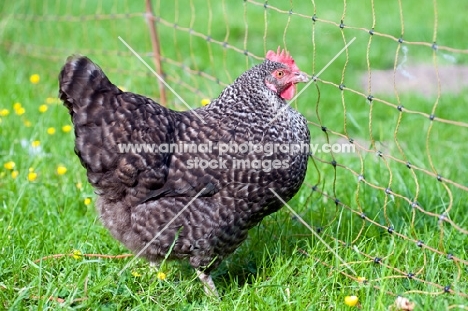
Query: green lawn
{"x": 47, "y": 206}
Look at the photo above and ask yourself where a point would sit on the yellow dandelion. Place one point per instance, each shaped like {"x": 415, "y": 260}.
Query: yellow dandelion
{"x": 351, "y": 300}
{"x": 66, "y": 128}
{"x": 35, "y": 78}
{"x": 52, "y": 100}
{"x": 136, "y": 274}
{"x": 79, "y": 185}
{"x": 87, "y": 201}
{"x": 51, "y": 130}
{"x": 43, "y": 108}
{"x": 20, "y": 111}
{"x": 35, "y": 143}
{"x": 32, "y": 176}
{"x": 161, "y": 276}
{"x": 9, "y": 165}
{"x": 61, "y": 169}
{"x": 361, "y": 279}
{"x": 205, "y": 101}
{"x": 27, "y": 123}
{"x": 76, "y": 254}
{"x": 4, "y": 112}
{"x": 18, "y": 108}
{"x": 14, "y": 174}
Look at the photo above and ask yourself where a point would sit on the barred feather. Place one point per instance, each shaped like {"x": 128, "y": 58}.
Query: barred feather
{"x": 139, "y": 193}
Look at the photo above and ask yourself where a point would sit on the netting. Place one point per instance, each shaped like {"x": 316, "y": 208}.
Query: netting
{"x": 397, "y": 94}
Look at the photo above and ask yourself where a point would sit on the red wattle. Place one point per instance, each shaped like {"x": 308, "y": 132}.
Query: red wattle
{"x": 289, "y": 92}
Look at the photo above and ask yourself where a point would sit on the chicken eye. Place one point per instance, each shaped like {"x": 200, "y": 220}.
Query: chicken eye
{"x": 279, "y": 74}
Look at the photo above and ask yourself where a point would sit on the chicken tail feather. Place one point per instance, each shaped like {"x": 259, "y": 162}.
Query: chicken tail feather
{"x": 79, "y": 80}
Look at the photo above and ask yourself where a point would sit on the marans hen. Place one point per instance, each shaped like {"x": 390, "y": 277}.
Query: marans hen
{"x": 155, "y": 201}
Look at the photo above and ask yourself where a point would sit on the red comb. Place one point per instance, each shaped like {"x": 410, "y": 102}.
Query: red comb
{"x": 281, "y": 56}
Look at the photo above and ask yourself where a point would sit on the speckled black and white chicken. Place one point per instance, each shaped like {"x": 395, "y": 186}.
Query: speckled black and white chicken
{"x": 156, "y": 202}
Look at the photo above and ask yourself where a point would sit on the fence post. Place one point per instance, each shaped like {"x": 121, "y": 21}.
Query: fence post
{"x": 156, "y": 50}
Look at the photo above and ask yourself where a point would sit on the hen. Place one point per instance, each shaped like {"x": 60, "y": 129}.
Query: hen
{"x": 185, "y": 183}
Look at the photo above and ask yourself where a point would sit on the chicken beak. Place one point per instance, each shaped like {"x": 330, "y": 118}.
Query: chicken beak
{"x": 300, "y": 77}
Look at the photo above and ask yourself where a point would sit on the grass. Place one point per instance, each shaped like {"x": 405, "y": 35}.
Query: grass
{"x": 282, "y": 266}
